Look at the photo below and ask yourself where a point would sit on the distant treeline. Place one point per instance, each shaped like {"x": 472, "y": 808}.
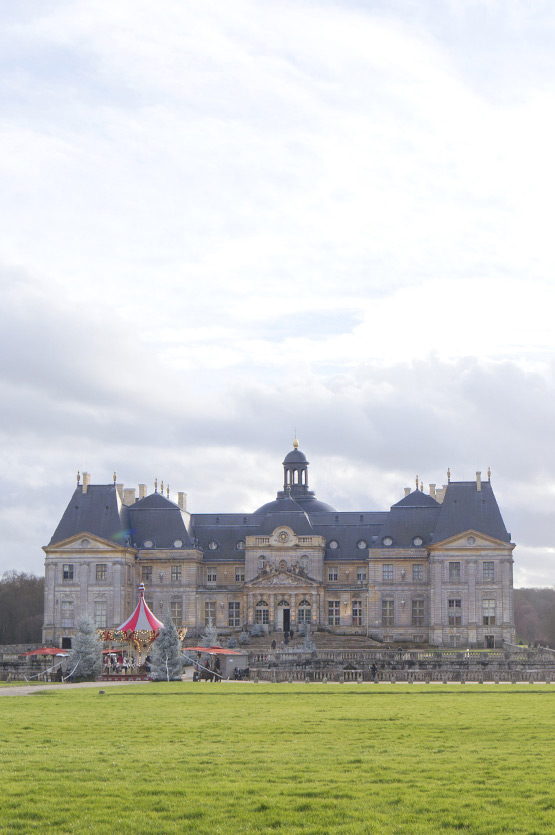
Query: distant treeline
{"x": 535, "y": 616}
{"x": 22, "y": 608}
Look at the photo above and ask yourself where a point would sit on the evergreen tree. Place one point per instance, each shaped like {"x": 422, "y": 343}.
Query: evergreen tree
{"x": 165, "y": 655}
{"x": 209, "y": 637}
{"x": 86, "y": 656}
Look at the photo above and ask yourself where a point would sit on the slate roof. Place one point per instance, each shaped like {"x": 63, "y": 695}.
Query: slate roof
{"x": 466, "y": 508}
{"x": 99, "y": 511}
{"x": 160, "y": 520}
{"x": 417, "y": 499}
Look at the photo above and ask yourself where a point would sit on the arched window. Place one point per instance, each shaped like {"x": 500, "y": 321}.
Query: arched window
{"x": 305, "y": 611}
{"x": 261, "y": 563}
{"x": 304, "y": 563}
{"x": 262, "y": 613}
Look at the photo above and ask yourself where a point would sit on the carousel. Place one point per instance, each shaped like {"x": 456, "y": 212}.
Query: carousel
{"x": 138, "y": 632}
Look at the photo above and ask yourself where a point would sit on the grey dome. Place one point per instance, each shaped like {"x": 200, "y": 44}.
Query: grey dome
{"x": 295, "y": 457}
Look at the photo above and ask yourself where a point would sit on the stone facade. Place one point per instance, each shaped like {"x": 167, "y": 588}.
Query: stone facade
{"x": 436, "y": 568}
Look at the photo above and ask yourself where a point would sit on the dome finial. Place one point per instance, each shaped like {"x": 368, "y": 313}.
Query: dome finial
{"x": 295, "y": 441}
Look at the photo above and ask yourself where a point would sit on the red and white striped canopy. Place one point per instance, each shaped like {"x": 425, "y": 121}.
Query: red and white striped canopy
{"x": 142, "y": 619}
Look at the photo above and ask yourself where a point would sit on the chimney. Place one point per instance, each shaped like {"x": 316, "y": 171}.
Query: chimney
{"x": 119, "y": 488}
{"x": 86, "y": 482}
{"x": 142, "y": 491}
{"x": 440, "y": 493}
{"x": 433, "y": 491}
{"x": 129, "y": 496}
{"x": 478, "y": 481}
{"x": 182, "y": 500}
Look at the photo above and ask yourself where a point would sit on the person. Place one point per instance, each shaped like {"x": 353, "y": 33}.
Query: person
{"x": 274, "y": 644}
{"x": 374, "y": 670}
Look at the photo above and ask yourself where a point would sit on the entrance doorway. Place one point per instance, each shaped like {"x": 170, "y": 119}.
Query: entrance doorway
{"x": 66, "y": 643}
{"x": 286, "y": 620}
{"x": 490, "y": 641}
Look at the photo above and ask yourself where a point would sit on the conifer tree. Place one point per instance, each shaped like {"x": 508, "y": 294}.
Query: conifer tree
{"x": 86, "y": 657}
{"x": 165, "y": 655}
{"x": 209, "y": 637}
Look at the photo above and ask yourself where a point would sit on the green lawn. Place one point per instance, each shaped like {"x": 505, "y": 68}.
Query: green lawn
{"x": 307, "y": 759}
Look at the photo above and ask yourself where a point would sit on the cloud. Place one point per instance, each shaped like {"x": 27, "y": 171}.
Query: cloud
{"x": 222, "y": 221}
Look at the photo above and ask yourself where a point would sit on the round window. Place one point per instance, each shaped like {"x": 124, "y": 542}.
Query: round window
{"x": 334, "y": 544}
{"x": 362, "y": 544}
{"x": 213, "y": 545}
{"x": 417, "y": 541}
{"x": 178, "y": 543}
{"x": 85, "y": 543}
{"x": 148, "y": 543}
{"x": 471, "y": 540}
{"x": 387, "y": 540}
{"x": 240, "y": 545}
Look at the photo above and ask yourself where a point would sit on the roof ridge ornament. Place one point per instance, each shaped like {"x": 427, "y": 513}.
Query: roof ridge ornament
{"x": 448, "y": 475}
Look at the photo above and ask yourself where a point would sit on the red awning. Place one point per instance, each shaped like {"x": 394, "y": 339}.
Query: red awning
{"x": 45, "y": 651}
{"x": 213, "y": 650}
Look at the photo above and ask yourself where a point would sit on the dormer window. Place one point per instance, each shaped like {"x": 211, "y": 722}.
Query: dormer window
{"x": 148, "y": 543}
{"x": 213, "y": 545}
{"x": 334, "y": 544}
{"x": 387, "y": 541}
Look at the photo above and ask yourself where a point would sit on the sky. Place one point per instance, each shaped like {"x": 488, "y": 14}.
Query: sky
{"x": 224, "y": 223}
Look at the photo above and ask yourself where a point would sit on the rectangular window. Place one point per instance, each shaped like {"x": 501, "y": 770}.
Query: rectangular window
{"x": 67, "y": 613}
{"x": 417, "y": 573}
{"x": 150, "y": 604}
{"x": 454, "y": 572}
{"x": 233, "y": 614}
{"x": 176, "y": 612}
{"x": 100, "y": 613}
{"x": 332, "y": 573}
{"x": 211, "y": 575}
{"x": 387, "y": 572}
{"x": 67, "y": 572}
{"x": 176, "y": 573}
{"x": 388, "y": 613}
{"x": 357, "y": 613}
{"x": 488, "y": 612}
{"x": 361, "y": 575}
{"x": 454, "y": 612}
{"x": 418, "y": 613}
{"x": 146, "y": 573}
{"x": 101, "y": 571}
{"x": 210, "y": 612}
{"x": 489, "y": 571}
{"x": 239, "y": 574}
{"x": 334, "y": 618}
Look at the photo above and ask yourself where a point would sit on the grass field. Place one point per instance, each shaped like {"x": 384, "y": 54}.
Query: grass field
{"x": 302, "y": 759}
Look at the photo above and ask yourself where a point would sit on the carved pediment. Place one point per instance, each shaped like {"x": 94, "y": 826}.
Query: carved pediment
{"x": 282, "y": 578}
{"x": 471, "y": 540}
{"x": 84, "y": 542}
